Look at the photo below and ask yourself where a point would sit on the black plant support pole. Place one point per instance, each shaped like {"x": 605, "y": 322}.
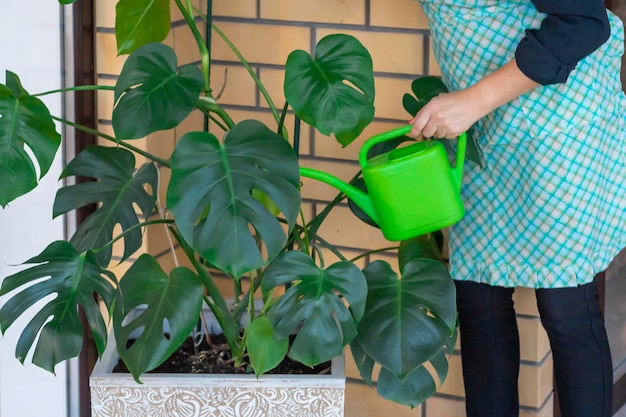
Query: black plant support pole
{"x": 296, "y": 136}
{"x": 296, "y": 147}
{"x": 207, "y": 37}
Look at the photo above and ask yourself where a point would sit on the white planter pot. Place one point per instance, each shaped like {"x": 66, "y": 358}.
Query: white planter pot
{"x": 212, "y": 395}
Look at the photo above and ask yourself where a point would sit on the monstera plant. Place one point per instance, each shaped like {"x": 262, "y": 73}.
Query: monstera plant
{"x": 233, "y": 206}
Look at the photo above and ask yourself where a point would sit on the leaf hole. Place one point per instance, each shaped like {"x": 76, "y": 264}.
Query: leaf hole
{"x": 166, "y": 328}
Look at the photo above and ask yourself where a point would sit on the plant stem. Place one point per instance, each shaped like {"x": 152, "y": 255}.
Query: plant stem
{"x": 130, "y": 229}
{"x": 208, "y": 104}
{"x": 78, "y": 88}
{"x": 148, "y": 155}
{"x": 187, "y": 13}
{"x": 371, "y": 252}
{"x": 219, "y": 307}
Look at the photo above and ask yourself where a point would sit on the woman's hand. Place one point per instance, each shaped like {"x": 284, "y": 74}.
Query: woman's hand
{"x": 449, "y": 115}
{"x": 446, "y": 116}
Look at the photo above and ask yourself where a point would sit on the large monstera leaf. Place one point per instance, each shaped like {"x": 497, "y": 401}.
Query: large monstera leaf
{"x": 315, "y": 300}
{"x": 407, "y": 323}
{"x": 74, "y": 279}
{"x": 170, "y": 306}
{"x": 211, "y": 194}
{"x": 152, "y": 93}
{"x": 24, "y": 122}
{"x": 319, "y": 91}
{"x": 117, "y": 191}
{"x": 407, "y": 320}
{"x": 138, "y": 22}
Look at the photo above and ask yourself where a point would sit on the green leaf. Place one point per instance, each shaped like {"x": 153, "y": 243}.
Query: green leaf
{"x": 138, "y": 22}
{"x": 118, "y": 191}
{"x": 152, "y": 93}
{"x": 73, "y": 279}
{"x": 264, "y": 352}
{"x": 364, "y": 362}
{"x": 334, "y": 92}
{"x": 67, "y": 1}
{"x": 172, "y": 308}
{"x": 210, "y": 194}
{"x": 407, "y": 320}
{"x": 424, "y": 246}
{"x": 316, "y": 300}
{"x": 413, "y": 390}
{"x": 24, "y": 122}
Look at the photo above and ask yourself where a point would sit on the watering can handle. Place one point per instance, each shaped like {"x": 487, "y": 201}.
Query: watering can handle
{"x": 403, "y": 130}
{"x": 382, "y": 137}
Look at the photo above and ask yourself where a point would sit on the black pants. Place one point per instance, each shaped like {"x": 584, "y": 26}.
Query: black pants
{"x": 490, "y": 349}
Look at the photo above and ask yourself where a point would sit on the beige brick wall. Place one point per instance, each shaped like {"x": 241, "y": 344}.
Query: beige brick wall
{"x": 265, "y": 31}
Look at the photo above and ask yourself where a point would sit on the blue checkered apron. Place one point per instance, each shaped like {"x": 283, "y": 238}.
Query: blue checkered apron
{"x": 549, "y": 208}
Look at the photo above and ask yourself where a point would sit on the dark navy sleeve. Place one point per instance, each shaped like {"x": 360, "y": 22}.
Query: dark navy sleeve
{"x": 571, "y": 30}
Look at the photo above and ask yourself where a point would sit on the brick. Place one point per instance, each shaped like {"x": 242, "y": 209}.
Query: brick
{"x": 104, "y": 13}
{"x": 192, "y": 123}
{"x": 273, "y": 81}
{"x": 397, "y": 14}
{"x": 388, "y": 102}
{"x": 534, "y": 343}
{"x": 185, "y": 45}
{"x": 453, "y": 385}
{"x": 328, "y": 147}
{"x": 105, "y": 101}
{"x": 433, "y": 66}
{"x": 234, "y": 85}
{"x": 235, "y": 8}
{"x": 362, "y": 401}
{"x": 547, "y": 410}
{"x": 177, "y": 16}
{"x": 107, "y": 61}
{"x": 536, "y": 383}
{"x": 400, "y": 53}
{"x": 525, "y": 301}
{"x": 267, "y": 44}
{"x": 444, "y": 407}
{"x": 323, "y": 11}
{"x": 343, "y": 228}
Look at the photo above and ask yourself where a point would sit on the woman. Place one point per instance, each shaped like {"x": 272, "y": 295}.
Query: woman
{"x": 539, "y": 82}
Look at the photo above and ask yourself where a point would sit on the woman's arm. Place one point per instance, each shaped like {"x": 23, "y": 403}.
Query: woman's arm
{"x": 571, "y": 30}
{"x": 449, "y": 115}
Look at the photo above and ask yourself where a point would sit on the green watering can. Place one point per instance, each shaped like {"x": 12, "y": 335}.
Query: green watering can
{"x": 413, "y": 190}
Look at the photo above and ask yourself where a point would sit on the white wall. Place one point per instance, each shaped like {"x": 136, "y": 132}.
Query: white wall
{"x": 30, "y": 45}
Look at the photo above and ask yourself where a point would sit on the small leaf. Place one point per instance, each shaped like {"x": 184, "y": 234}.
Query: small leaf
{"x": 138, "y": 22}
{"x": 413, "y": 390}
{"x": 152, "y": 94}
{"x": 334, "y": 92}
{"x": 118, "y": 191}
{"x": 25, "y": 122}
{"x": 74, "y": 279}
{"x": 172, "y": 308}
{"x": 316, "y": 300}
{"x": 364, "y": 362}
{"x": 264, "y": 351}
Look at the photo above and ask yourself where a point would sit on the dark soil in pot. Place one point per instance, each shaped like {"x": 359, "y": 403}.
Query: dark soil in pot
{"x": 214, "y": 358}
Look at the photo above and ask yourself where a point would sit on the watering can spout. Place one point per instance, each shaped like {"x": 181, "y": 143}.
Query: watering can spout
{"x": 360, "y": 198}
